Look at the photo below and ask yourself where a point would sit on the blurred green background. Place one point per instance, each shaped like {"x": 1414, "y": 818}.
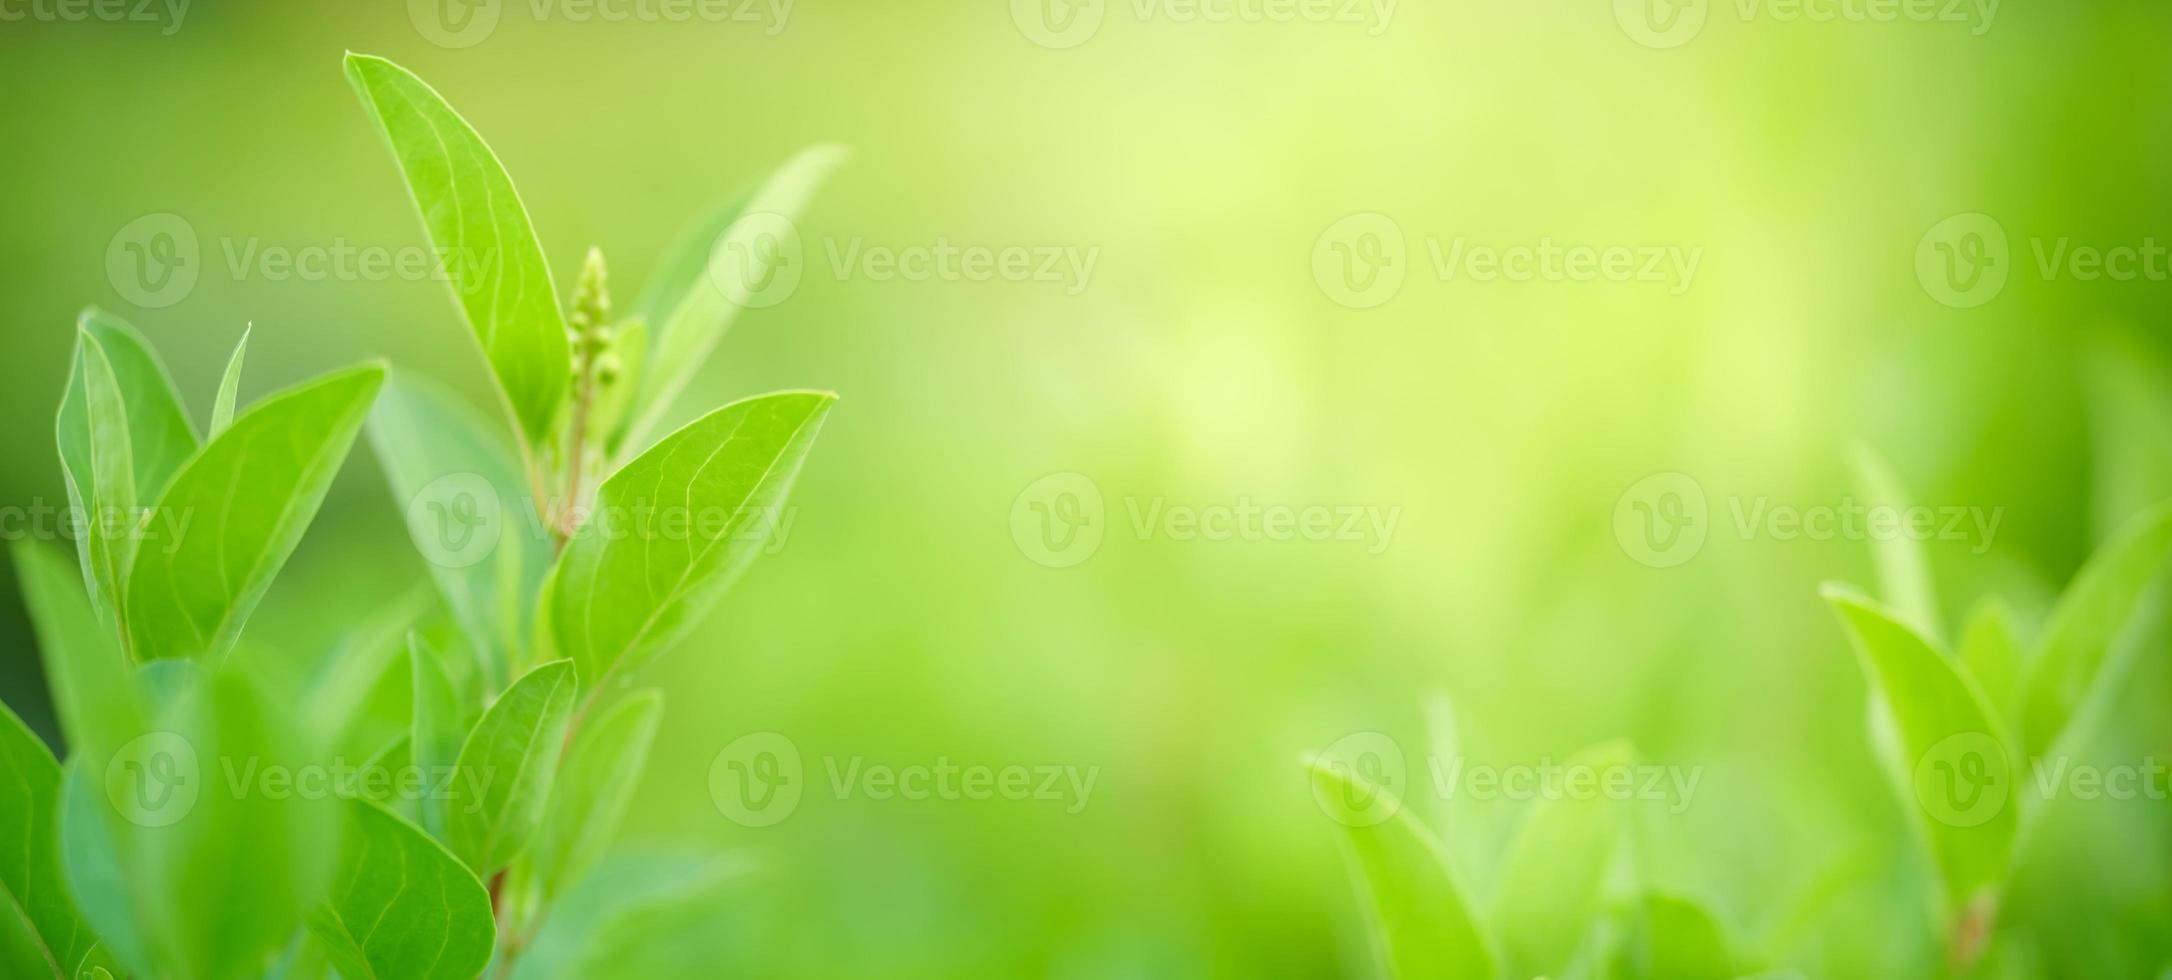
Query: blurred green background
{"x": 1204, "y": 362}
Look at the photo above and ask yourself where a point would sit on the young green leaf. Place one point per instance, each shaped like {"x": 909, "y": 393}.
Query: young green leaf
{"x": 90, "y": 862}
{"x": 2087, "y": 620}
{"x": 1550, "y": 890}
{"x": 238, "y": 509}
{"x": 107, "y": 489}
{"x": 506, "y": 767}
{"x": 92, "y": 691}
{"x": 481, "y": 231}
{"x": 439, "y": 722}
{"x": 1904, "y": 571}
{"x": 1991, "y": 655}
{"x": 401, "y": 905}
{"x": 160, "y": 436}
{"x": 593, "y": 788}
{"x": 1955, "y": 751}
{"x": 673, "y": 528}
{"x": 704, "y": 303}
{"x": 1424, "y": 925}
{"x": 1676, "y": 938}
{"x": 222, "y": 411}
{"x": 636, "y": 916}
{"x": 469, "y": 512}
{"x": 31, "y": 892}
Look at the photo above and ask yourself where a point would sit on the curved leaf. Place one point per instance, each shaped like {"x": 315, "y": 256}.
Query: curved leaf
{"x": 160, "y": 435}
{"x": 635, "y": 916}
{"x": 222, "y": 410}
{"x": 1676, "y": 938}
{"x": 1424, "y": 924}
{"x": 593, "y": 787}
{"x": 239, "y": 508}
{"x": 672, "y": 529}
{"x": 1550, "y": 890}
{"x": 506, "y": 767}
{"x": 31, "y": 890}
{"x": 2086, "y": 622}
{"x": 401, "y": 905}
{"x": 482, "y": 235}
{"x": 105, "y": 492}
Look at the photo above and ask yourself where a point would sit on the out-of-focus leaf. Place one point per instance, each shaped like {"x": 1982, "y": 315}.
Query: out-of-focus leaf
{"x": 106, "y": 491}
{"x": 401, "y": 905}
{"x": 469, "y": 512}
{"x": 1425, "y": 927}
{"x": 2087, "y": 620}
{"x": 672, "y": 529}
{"x": 1957, "y": 754}
{"x": 244, "y": 503}
{"x": 31, "y": 892}
{"x": 222, "y": 410}
{"x": 439, "y": 723}
{"x": 1991, "y": 654}
{"x": 1904, "y": 571}
{"x": 1550, "y": 890}
{"x": 92, "y": 691}
{"x": 506, "y": 768}
{"x": 1676, "y": 938}
{"x": 635, "y": 916}
{"x": 481, "y": 231}
{"x": 593, "y": 787}
{"x": 704, "y": 306}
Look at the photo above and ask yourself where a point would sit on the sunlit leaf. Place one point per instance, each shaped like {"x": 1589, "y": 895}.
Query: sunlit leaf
{"x": 401, "y": 905}
{"x": 160, "y": 436}
{"x": 1904, "y": 571}
{"x": 106, "y": 490}
{"x": 1550, "y": 889}
{"x": 1424, "y": 925}
{"x": 2089, "y": 617}
{"x": 222, "y": 410}
{"x": 512, "y": 755}
{"x": 1991, "y": 655}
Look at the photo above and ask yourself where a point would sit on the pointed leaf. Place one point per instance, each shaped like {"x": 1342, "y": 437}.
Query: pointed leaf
{"x": 91, "y": 687}
{"x": 439, "y": 723}
{"x": 1424, "y": 926}
{"x": 160, "y": 436}
{"x": 469, "y": 512}
{"x": 1991, "y": 654}
{"x": 222, "y": 411}
{"x": 506, "y": 767}
{"x": 31, "y": 892}
{"x": 1904, "y": 571}
{"x": 482, "y": 235}
{"x": 106, "y": 491}
{"x": 673, "y": 528}
{"x": 1550, "y": 890}
{"x": 707, "y": 302}
{"x": 244, "y": 502}
{"x": 2087, "y": 620}
{"x": 401, "y": 905}
{"x": 1956, "y": 752}
{"x": 1677, "y": 938}
{"x": 593, "y": 788}
{"x": 636, "y": 916}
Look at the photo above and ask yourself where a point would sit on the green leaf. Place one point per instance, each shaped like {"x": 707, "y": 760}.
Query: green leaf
{"x": 505, "y": 769}
{"x": 222, "y": 411}
{"x": 636, "y": 916}
{"x": 1991, "y": 654}
{"x": 1676, "y": 938}
{"x": 481, "y": 231}
{"x": 1904, "y": 572}
{"x": 244, "y": 503}
{"x": 91, "y": 687}
{"x": 673, "y": 528}
{"x": 105, "y": 492}
{"x": 690, "y": 330}
{"x": 401, "y": 905}
{"x": 439, "y": 722}
{"x": 90, "y": 861}
{"x": 1953, "y": 748}
{"x": 1425, "y": 927}
{"x": 469, "y": 512}
{"x": 31, "y": 892}
{"x": 1550, "y": 890}
{"x": 160, "y": 436}
{"x": 2087, "y": 620}
{"x": 594, "y": 786}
